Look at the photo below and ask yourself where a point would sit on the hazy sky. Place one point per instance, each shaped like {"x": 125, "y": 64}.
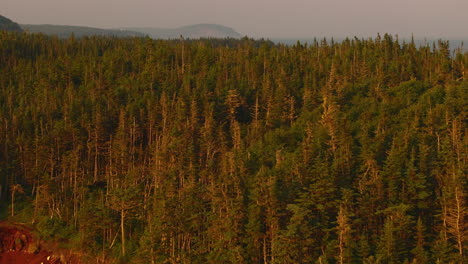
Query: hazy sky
{"x": 256, "y": 18}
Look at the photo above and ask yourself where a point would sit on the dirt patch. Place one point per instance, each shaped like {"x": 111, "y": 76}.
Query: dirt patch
{"x": 18, "y": 245}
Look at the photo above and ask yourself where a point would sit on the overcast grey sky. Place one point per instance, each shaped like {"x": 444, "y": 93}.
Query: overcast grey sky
{"x": 257, "y": 18}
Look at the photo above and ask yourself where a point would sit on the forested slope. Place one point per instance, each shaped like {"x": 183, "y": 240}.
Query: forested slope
{"x": 63, "y": 31}
{"x": 8, "y": 25}
{"x": 236, "y": 151}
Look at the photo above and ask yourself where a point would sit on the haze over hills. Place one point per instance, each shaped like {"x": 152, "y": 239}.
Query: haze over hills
{"x": 63, "y": 31}
{"x": 8, "y": 25}
{"x": 191, "y": 31}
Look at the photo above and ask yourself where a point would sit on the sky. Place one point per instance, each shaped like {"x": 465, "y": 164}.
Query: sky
{"x": 257, "y": 18}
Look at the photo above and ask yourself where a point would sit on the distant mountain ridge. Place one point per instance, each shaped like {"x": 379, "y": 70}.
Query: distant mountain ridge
{"x": 63, "y": 31}
{"x": 191, "y": 32}
{"x": 8, "y": 25}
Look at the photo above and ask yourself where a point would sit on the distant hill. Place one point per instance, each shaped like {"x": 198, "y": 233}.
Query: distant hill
{"x": 66, "y": 31}
{"x": 192, "y": 32}
{"x": 8, "y": 25}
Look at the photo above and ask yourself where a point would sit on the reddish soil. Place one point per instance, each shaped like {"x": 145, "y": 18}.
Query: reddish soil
{"x": 18, "y": 246}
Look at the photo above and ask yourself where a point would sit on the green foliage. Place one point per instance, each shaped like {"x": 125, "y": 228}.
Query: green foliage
{"x": 236, "y": 151}
{"x": 53, "y": 229}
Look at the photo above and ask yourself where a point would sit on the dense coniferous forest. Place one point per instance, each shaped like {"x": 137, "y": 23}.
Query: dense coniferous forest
{"x": 236, "y": 151}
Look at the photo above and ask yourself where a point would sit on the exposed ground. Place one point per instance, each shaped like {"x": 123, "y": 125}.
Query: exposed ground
{"x": 19, "y": 246}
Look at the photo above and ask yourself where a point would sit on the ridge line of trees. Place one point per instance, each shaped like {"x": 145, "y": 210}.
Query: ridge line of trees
{"x": 237, "y": 151}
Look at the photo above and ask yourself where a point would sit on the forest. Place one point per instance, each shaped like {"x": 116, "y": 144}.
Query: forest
{"x": 134, "y": 150}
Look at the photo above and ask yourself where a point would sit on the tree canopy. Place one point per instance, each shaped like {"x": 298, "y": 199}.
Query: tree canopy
{"x": 237, "y": 151}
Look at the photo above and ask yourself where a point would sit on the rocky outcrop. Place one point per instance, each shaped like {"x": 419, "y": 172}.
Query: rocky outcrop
{"x": 18, "y": 245}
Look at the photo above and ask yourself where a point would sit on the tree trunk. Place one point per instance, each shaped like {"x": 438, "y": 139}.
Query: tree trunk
{"x": 13, "y": 201}
{"x": 459, "y": 222}
{"x": 122, "y": 221}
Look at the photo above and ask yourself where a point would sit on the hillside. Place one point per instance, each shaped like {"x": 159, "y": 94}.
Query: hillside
{"x": 141, "y": 151}
{"x": 8, "y": 25}
{"x": 63, "y": 31}
{"x": 192, "y": 32}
